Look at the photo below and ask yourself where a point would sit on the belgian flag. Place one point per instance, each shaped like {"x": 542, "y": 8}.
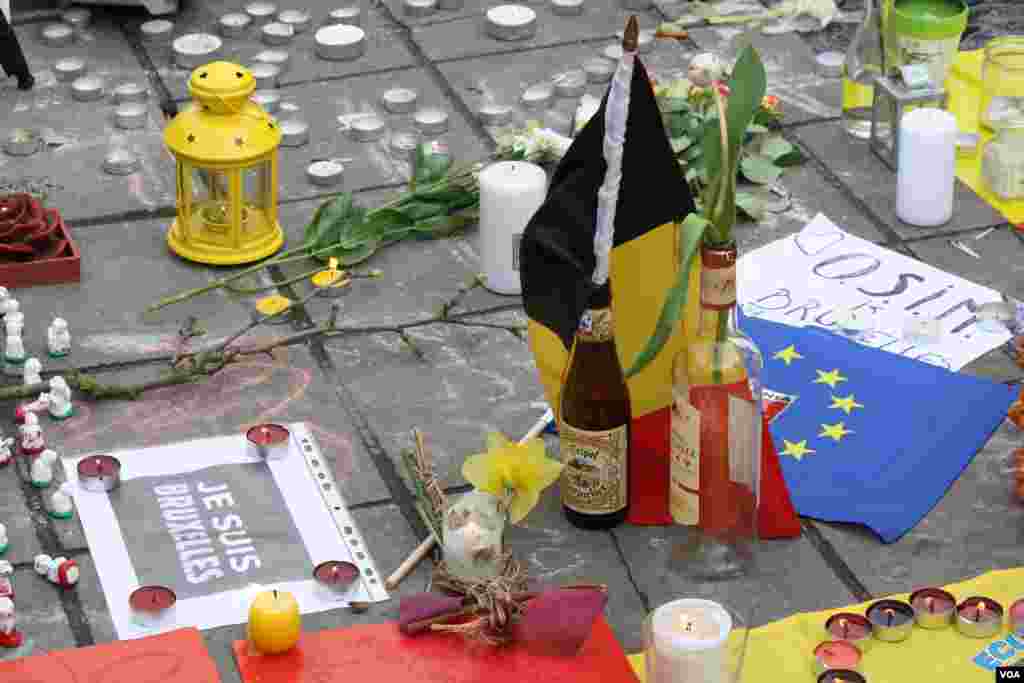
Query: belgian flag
{"x": 556, "y": 266}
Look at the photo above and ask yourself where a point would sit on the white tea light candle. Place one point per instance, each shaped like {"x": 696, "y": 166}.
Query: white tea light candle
{"x": 325, "y": 173}
{"x": 510, "y": 193}
{"x": 511, "y": 22}
{"x": 340, "y": 42}
{"x": 431, "y": 121}
{"x": 294, "y": 133}
{"x": 299, "y": 20}
{"x": 234, "y": 25}
{"x": 926, "y": 168}
{"x": 156, "y": 29}
{"x": 266, "y": 75}
{"x": 399, "y": 100}
{"x": 419, "y": 8}
{"x": 69, "y": 68}
{"x": 130, "y": 92}
{"x": 345, "y": 15}
{"x": 538, "y": 96}
{"x": 277, "y": 33}
{"x": 685, "y": 640}
{"x": 566, "y": 8}
{"x": 261, "y": 11}
{"x": 195, "y": 49}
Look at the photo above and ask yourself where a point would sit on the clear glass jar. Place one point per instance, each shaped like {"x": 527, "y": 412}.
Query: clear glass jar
{"x": 1002, "y": 75}
{"x": 1002, "y": 162}
{"x": 716, "y": 434}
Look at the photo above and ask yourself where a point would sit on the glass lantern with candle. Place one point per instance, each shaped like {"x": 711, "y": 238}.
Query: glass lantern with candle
{"x": 692, "y": 639}
{"x": 226, "y": 152}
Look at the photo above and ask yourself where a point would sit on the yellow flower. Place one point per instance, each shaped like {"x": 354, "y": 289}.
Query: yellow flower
{"x": 519, "y": 470}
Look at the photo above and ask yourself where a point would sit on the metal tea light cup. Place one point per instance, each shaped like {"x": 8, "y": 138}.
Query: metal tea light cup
{"x": 933, "y": 608}
{"x": 892, "y": 621}
{"x": 837, "y": 655}
{"x": 99, "y": 473}
{"x": 334, "y": 578}
{"x": 268, "y": 441}
{"x": 851, "y": 628}
{"x": 842, "y": 675}
{"x": 979, "y": 617}
{"x": 1017, "y": 618}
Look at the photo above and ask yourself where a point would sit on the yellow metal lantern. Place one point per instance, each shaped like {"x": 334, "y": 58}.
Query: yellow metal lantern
{"x": 226, "y": 152}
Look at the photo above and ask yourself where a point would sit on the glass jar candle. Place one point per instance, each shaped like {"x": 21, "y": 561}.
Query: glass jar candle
{"x": 1002, "y": 162}
{"x": 1002, "y": 76}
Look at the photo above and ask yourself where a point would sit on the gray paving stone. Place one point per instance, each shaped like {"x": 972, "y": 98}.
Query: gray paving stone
{"x": 385, "y": 49}
{"x": 82, "y": 133}
{"x": 117, "y": 329}
{"x": 975, "y": 528}
{"x": 39, "y": 611}
{"x": 789, "y": 64}
{"x": 468, "y": 38}
{"x": 791, "y": 576}
{"x": 93, "y": 602}
{"x": 21, "y": 524}
{"x": 873, "y": 183}
{"x": 366, "y": 164}
{"x": 557, "y": 553}
{"x": 390, "y": 542}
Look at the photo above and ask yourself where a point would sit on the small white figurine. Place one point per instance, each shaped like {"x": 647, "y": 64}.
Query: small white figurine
{"x": 9, "y": 305}
{"x": 10, "y": 636}
{"x": 22, "y": 412}
{"x": 62, "y": 571}
{"x": 31, "y": 370}
{"x": 6, "y": 454}
{"x": 14, "y": 353}
{"x": 42, "y": 564}
{"x": 4, "y": 543}
{"x": 58, "y": 339}
{"x": 6, "y": 587}
{"x": 705, "y": 68}
{"x": 14, "y": 322}
{"x": 60, "y": 503}
{"x": 32, "y": 442}
{"x": 42, "y": 469}
{"x": 60, "y": 399}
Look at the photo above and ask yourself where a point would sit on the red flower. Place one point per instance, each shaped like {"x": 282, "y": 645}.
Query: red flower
{"x": 771, "y": 103}
{"x": 722, "y": 88}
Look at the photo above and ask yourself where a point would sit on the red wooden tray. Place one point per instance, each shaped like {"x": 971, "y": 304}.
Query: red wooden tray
{"x": 64, "y": 266}
{"x": 176, "y": 657}
{"x": 378, "y": 653}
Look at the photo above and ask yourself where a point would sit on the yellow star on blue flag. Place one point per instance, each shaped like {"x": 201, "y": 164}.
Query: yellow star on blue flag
{"x": 830, "y": 378}
{"x": 836, "y": 431}
{"x": 787, "y": 355}
{"x": 798, "y": 450}
{"x": 846, "y": 404}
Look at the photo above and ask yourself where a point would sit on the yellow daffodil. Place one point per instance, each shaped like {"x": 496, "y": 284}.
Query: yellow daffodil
{"x": 512, "y": 471}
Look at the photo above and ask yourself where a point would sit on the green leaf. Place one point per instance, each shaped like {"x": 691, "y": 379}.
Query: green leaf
{"x": 757, "y": 129}
{"x": 680, "y": 143}
{"x": 759, "y": 169}
{"x": 747, "y": 85}
{"x": 676, "y": 125}
{"x": 750, "y": 205}
{"x": 329, "y": 218}
{"x": 350, "y": 257}
{"x": 672, "y": 310}
{"x": 673, "y": 104}
{"x": 415, "y": 211}
{"x": 793, "y": 158}
{"x": 776, "y": 146}
{"x": 441, "y": 226}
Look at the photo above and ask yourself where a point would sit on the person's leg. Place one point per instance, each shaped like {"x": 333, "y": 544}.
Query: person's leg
{"x": 12, "y": 58}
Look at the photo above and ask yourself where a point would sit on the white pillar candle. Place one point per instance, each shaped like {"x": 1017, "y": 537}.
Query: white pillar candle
{"x": 926, "y": 173}
{"x": 510, "y": 193}
{"x": 687, "y": 642}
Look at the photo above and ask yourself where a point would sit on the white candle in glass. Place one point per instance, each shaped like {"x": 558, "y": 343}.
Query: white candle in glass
{"x": 687, "y": 642}
{"x": 926, "y": 174}
{"x": 510, "y": 193}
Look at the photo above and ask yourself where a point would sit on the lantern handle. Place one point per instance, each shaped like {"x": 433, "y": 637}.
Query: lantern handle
{"x": 240, "y": 112}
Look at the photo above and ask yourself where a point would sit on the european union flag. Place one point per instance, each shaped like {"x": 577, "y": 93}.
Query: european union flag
{"x": 867, "y": 436}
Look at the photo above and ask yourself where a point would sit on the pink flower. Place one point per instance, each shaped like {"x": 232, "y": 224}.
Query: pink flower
{"x": 722, "y": 88}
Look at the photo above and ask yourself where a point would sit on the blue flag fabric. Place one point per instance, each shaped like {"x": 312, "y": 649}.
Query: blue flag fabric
{"x": 866, "y": 436}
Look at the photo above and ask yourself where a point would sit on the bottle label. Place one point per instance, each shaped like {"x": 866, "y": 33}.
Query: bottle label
{"x": 684, "y": 491}
{"x": 718, "y": 287}
{"x": 594, "y": 477}
{"x": 596, "y": 325}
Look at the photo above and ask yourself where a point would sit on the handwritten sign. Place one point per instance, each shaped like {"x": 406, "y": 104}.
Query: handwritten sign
{"x": 822, "y": 274}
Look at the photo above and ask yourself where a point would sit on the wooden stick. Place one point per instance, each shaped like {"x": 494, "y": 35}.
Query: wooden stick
{"x": 410, "y": 563}
{"x": 425, "y": 547}
{"x": 678, "y": 35}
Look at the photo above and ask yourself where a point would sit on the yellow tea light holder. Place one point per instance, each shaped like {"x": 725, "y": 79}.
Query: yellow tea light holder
{"x": 333, "y": 282}
{"x": 227, "y": 171}
{"x": 274, "y": 306}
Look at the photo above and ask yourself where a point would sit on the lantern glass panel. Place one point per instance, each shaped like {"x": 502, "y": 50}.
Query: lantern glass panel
{"x": 256, "y": 186}
{"x": 211, "y": 198}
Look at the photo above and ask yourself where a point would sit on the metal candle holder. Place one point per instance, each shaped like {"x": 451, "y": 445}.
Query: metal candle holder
{"x": 891, "y": 620}
{"x": 933, "y": 608}
{"x": 268, "y": 441}
{"x": 334, "y": 578}
{"x": 851, "y": 628}
{"x": 892, "y": 99}
{"x": 99, "y": 473}
{"x": 152, "y": 606}
{"x": 979, "y": 617}
{"x": 826, "y": 653}
{"x": 844, "y": 675}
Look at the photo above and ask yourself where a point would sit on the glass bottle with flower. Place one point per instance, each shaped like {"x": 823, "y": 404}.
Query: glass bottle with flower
{"x": 716, "y": 414}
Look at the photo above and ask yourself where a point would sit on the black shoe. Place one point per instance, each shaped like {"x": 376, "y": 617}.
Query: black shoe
{"x": 26, "y": 82}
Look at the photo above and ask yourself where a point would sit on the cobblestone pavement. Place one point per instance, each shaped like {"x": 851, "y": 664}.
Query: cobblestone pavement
{"x": 363, "y": 395}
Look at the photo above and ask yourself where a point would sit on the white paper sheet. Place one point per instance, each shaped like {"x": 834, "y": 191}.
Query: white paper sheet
{"x": 315, "y": 523}
{"x": 806, "y": 278}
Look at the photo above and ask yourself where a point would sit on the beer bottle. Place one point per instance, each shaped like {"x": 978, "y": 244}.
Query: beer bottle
{"x": 594, "y": 423}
